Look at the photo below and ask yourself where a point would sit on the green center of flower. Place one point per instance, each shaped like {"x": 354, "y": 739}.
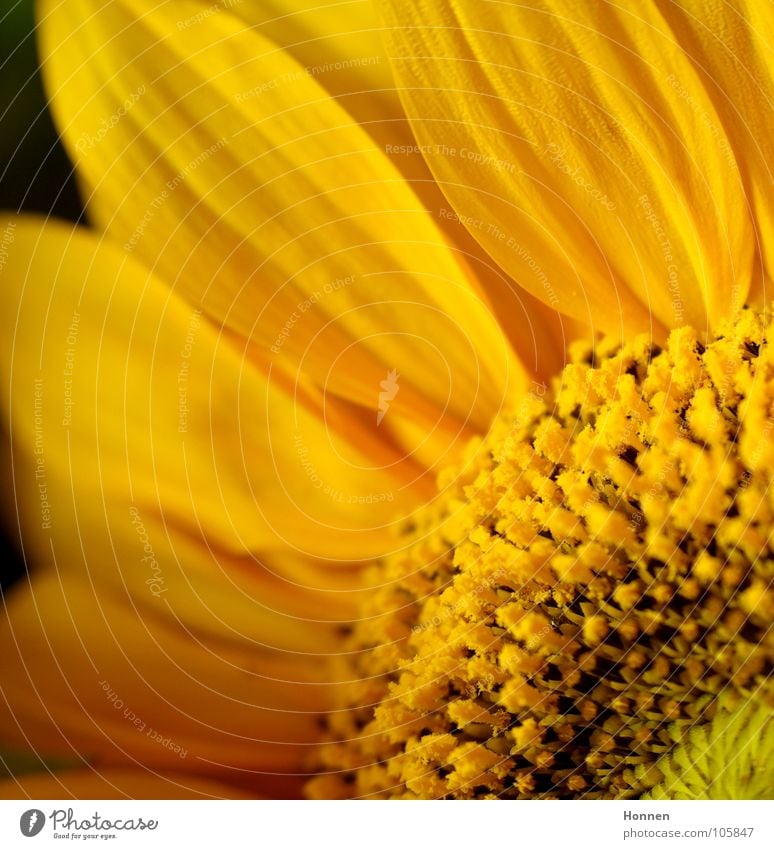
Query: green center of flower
{"x": 590, "y": 590}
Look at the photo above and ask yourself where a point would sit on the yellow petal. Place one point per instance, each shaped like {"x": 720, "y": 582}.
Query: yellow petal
{"x": 341, "y": 46}
{"x": 116, "y": 784}
{"x": 216, "y": 158}
{"x": 339, "y": 43}
{"x": 731, "y": 47}
{"x": 166, "y": 549}
{"x": 117, "y": 678}
{"x": 581, "y": 145}
{"x": 141, "y": 404}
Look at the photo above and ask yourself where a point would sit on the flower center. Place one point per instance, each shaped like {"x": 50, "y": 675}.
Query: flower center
{"x": 592, "y": 585}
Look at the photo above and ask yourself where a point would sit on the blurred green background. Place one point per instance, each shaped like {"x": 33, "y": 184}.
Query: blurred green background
{"x": 35, "y": 173}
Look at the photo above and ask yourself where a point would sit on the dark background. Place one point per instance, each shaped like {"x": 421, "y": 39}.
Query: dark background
{"x": 35, "y": 173}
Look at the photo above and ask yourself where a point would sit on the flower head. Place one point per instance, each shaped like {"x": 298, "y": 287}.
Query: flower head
{"x": 594, "y": 585}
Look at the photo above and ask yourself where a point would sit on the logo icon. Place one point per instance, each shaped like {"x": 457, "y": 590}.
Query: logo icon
{"x": 389, "y": 389}
{"x": 32, "y": 822}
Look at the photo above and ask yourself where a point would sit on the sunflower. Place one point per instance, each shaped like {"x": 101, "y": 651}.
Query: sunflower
{"x": 408, "y": 393}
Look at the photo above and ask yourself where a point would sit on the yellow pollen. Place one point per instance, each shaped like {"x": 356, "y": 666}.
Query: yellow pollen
{"x": 589, "y": 595}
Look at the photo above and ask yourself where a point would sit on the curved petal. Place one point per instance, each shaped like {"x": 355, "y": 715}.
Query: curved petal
{"x": 221, "y": 162}
{"x": 140, "y": 404}
{"x": 731, "y": 46}
{"x": 116, "y": 784}
{"x": 340, "y": 44}
{"x": 112, "y": 678}
{"x": 166, "y": 530}
{"x": 586, "y": 154}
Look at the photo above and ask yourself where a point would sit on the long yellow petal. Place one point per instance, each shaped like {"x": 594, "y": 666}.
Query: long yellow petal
{"x": 216, "y": 158}
{"x": 101, "y": 675}
{"x": 731, "y": 47}
{"x": 581, "y": 146}
{"x": 341, "y": 45}
{"x": 139, "y": 403}
{"x": 163, "y": 504}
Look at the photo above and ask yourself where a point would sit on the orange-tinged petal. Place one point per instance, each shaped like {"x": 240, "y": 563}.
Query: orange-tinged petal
{"x": 95, "y": 673}
{"x": 141, "y": 404}
{"x": 116, "y": 784}
{"x": 586, "y": 143}
{"x": 275, "y": 212}
{"x": 165, "y": 547}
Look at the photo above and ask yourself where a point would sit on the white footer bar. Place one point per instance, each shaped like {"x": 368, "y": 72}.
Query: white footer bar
{"x": 391, "y": 825}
